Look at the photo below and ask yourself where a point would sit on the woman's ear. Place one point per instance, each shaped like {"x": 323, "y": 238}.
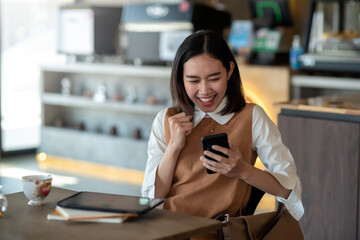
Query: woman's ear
{"x": 232, "y": 66}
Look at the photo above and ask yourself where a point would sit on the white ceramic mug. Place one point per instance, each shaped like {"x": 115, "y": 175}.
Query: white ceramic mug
{"x": 37, "y": 188}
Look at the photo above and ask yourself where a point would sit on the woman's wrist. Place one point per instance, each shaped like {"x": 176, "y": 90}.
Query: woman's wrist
{"x": 246, "y": 172}
{"x": 285, "y": 193}
{"x": 174, "y": 148}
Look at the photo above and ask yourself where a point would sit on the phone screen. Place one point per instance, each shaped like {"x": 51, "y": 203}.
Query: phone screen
{"x": 220, "y": 139}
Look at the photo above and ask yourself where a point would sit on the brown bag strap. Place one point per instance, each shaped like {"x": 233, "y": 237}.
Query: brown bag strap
{"x": 225, "y": 233}
{"x": 269, "y": 225}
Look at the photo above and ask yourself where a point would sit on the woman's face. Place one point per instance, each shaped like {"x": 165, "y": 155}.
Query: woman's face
{"x": 205, "y": 81}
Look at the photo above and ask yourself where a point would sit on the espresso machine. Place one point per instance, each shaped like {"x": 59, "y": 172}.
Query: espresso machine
{"x": 332, "y": 39}
{"x": 152, "y": 32}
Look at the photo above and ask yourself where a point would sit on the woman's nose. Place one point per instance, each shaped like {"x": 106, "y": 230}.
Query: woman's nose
{"x": 204, "y": 87}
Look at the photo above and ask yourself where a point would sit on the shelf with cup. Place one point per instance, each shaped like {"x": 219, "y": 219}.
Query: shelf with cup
{"x": 80, "y": 101}
{"x": 83, "y": 104}
{"x": 98, "y": 121}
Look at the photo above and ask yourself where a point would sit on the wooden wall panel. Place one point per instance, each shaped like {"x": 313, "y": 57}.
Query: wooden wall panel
{"x": 326, "y": 153}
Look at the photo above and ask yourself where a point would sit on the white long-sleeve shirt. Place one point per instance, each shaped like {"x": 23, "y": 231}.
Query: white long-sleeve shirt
{"x": 266, "y": 141}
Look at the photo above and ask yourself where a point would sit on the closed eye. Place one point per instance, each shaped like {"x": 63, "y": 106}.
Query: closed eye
{"x": 193, "y": 81}
{"x": 214, "y": 79}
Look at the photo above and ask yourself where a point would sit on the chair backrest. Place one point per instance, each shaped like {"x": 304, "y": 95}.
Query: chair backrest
{"x": 255, "y": 197}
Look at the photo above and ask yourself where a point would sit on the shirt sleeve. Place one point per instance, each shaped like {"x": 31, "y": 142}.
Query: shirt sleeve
{"x": 155, "y": 151}
{"x": 277, "y": 159}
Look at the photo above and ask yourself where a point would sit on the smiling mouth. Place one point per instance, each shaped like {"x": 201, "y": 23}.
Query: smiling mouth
{"x": 206, "y": 100}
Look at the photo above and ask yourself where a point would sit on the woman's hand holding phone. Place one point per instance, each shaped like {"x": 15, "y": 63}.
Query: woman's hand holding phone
{"x": 229, "y": 163}
{"x": 211, "y": 140}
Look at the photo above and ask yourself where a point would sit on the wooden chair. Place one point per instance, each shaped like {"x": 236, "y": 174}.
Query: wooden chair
{"x": 255, "y": 197}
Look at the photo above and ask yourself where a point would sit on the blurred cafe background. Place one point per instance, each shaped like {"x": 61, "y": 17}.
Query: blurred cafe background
{"x": 81, "y": 82}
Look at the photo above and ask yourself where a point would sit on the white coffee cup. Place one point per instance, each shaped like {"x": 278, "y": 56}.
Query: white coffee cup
{"x": 36, "y": 188}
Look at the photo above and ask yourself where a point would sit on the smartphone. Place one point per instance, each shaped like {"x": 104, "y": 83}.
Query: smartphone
{"x": 220, "y": 139}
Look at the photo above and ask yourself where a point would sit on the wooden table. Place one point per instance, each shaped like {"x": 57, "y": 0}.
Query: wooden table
{"x": 22, "y": 221}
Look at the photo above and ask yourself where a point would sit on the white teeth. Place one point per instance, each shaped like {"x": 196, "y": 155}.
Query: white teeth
{"x": 206, "y": 99}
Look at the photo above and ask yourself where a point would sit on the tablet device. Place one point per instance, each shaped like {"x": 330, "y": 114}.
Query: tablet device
{"x": 110, "y": 202}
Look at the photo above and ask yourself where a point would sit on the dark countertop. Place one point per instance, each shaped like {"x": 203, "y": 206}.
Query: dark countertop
{"x": 337, "y": 107}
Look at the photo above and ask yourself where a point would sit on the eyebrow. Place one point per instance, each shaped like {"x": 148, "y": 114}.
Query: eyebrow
{"x": 210, "y": 75}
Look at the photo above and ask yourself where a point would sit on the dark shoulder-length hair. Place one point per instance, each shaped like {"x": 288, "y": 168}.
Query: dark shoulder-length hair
{"x": 210, "y": 42}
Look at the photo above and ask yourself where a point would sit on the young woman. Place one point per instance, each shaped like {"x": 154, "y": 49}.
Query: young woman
{"x": 208, "y": 99}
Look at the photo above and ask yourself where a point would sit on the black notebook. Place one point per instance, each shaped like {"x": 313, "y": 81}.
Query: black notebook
{"x": 110, "y": 202}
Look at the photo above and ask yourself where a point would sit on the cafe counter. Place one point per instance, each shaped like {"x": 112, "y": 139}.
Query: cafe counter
{"x": 323, "y": 135}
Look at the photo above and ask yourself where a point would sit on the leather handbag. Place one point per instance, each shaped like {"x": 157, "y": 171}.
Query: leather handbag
{"x": 277, "y": 225}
